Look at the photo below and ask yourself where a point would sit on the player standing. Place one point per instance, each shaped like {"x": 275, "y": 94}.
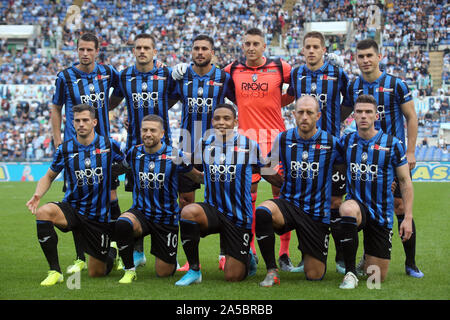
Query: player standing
{"x": 394, "y": 101}
{"x": 147, "y": 89}
{"x": 201, "y": 89}
{"x": 328, "y": 84}
{"x": 373, "y": 159}
{"x": 85, "y": 82}
{"x": 258, "y": 85}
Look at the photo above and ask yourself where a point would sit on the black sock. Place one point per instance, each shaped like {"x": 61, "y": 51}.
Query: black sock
{"x": 222, "y": 251}
{"x": 112, "y": 253}
{"x": 190, "y": 239}
{"x": 78, "y": 247}
{"x": 409, "y": 246}
{"x": 115, "y": 209}
{"x": 48, "y": 239}
{"x": 125, "y": 241}
{"x": 335, "y": 228}
{"x": 265, "y": 236}
{"x": 139, "y": 244}
{"x": 349, "y": 242}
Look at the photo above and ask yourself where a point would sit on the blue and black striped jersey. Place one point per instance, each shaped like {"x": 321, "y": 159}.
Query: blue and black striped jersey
{"x": 74, "y": 87}
{"x": 307, "y": 170}
{"x": 156, "y": 182}
{"x": 390, "y": 93}
{"x": 146, "y": 93}
{"x": 328, "y": 84}
{"x": 200, "y": 95}
{"x": 371, "y": 168}
{"x": 228, "y": 167}
{"x": 88, "y": 174}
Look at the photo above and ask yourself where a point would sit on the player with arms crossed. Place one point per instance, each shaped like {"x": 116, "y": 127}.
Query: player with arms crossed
{"x": 394, "y": 101}
{"x": 307, "y": 154}
{"x": 87, "y": 161}
{"x": 373, "y": 159}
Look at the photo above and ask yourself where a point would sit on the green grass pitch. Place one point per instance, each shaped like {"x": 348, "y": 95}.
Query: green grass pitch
{"x": 23, "y": 266}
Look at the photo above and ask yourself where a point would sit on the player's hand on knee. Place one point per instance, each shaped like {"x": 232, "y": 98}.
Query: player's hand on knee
{"x": 33, "y": 203}
{"x": 179, "y": 70}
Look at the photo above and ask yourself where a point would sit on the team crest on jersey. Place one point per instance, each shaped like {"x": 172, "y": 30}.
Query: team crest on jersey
{"x": 151, "y": 166}
{"x": 144, "y": 86}
{"x": 254, "y": 77}
{"x": 328, "y": 78}
{"x": 200, "y": 91}
{"x": 378, "y": 147}
{"x": 91, "y": 87}
{"x": 381, "y": 89}
{"x": 87, "y": 162}
{"x": 305, "y": 155}
{"x": 364, "y": 157}
{"x": 313, "y": 87}
{"x": 156, "y": 77}
{"x": 222, "y": 158}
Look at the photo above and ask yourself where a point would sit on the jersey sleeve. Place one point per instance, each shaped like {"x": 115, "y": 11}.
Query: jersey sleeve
{"x": 349, "y": 95}
{"x": 344, "y": 92}
{"x": 257, "y": 159}
{"x": 339, "y": 158}
{"x": 227, "y": 68}
{"x": 128, "y": 156}
{"x": 117, "y": 154}
{"x": 230, "y": 89}
{"x": 403, "y": 93}
{"x": 57, "y": 164}
{"x": 399, "y": 155}
{"x": 172, "y": 86}
{"x": 274, "y": 154}
{"x": 342, "y": 146}
{"x": 286, "y": 71}
{"x": 197, "y": 155}
{"x": 59, "y": 96}
{"x": 183, "y": 162}
{"x": 291, "y": 89}
{"x": 118, "y": 92}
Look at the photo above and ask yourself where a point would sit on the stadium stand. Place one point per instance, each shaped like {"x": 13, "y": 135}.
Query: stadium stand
{"x": 413, "y": 34}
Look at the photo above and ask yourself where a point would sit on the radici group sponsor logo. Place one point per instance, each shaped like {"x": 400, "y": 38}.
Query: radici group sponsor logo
{"x": 363, "y": 171}
{"x": 89, "y": 176}
{"x": 222, "y": 172}
{"x": 145, "y": 99}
